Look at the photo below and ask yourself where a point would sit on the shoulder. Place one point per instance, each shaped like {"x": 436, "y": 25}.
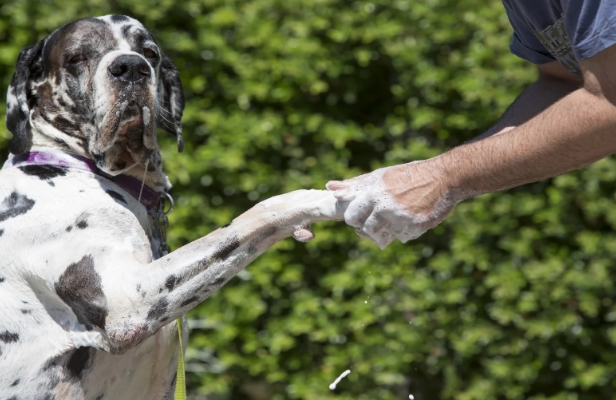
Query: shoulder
{"x": 72, "y": 207}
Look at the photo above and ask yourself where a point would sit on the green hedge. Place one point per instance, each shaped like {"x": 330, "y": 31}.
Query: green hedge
{"x": 510, "y": 298}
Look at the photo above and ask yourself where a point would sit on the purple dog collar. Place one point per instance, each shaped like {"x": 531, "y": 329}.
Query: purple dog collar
{"x": 149, "y": 197}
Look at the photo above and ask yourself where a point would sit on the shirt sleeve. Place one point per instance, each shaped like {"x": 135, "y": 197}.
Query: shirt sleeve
{"x": 590, "y": 25}
{"x": 524, "y": 43}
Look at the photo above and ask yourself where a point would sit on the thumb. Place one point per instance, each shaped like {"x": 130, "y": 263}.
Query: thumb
{"x": 332, "y": 186}
{"x": 338, "y": 185}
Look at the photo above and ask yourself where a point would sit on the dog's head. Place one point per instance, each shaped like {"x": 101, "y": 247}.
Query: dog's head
{"x": 97, "y": 87}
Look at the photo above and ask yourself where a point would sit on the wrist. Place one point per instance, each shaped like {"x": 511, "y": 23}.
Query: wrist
{"x": 446, "y": 171}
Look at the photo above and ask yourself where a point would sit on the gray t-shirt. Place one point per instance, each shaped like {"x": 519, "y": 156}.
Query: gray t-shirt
{"x": 567, "y": 31}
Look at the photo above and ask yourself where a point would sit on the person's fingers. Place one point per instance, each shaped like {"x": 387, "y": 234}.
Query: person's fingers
{"x": 303, "y": 234}
{"x": 374, "y": 223}
{"x": 362, "y": 233}
{"x": 357, "y": 212}
{"x": 344, "y": 195}
{"x": 349, "y": 194}
{"x": 384, "y": 239}
{"x": 376, "y": 227}
{"x": 411, "y": 233}
{"x": 339, "y": 185}
{"x": 332, "y": 186}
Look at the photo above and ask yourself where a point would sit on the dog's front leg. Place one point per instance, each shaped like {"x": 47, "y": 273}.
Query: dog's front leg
{"x": 152, "y": 295}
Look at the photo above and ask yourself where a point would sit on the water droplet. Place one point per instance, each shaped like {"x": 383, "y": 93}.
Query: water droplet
{"x": 342, "y": 375}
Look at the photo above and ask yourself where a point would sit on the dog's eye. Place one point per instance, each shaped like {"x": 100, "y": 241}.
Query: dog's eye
{"x": 76, "y": 59}
{"x": 149, "y": 53}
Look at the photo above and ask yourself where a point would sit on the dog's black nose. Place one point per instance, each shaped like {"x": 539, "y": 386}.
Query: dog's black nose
{"x": 130, "y": 68}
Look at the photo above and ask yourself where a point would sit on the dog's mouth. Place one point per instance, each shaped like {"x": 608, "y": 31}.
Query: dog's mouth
{"x": 132, "y": 130}
{"x": 131, "y": 123}
{"x": 133, "y": 135}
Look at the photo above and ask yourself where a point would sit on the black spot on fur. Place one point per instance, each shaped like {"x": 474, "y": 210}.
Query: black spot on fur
{"x": 58, "y": 140}
{"x": 80, "y": 287}
{"x": 28, "y": 69}
{"x": 8, "y": 337}
{"x": 15, "y": 204}
{"x": 164, "y": 319}
{"x": 1, "y": 279}
{"x": 228, "y": 224}
{"x": 116, "y": 196}
{"x": 171, "y": 281}
{"x": 219, "y": 281}
{"x": 25, "y": 311}
{"x": 78, "y": 360}
{"x": 1, "y": 232}
{"x": 83, "y": 224}
{"x": 138, "y": 287}
{"x": 252, "y": 249}
{"x": 43, "y": 172}
{"x": 126, "y": 30}
{"x": 119, "y": 18}
{"x": 158, "y": 309}
{"x": 188, "y": 301}
{"x": 64, "y": 125}
{"x": 227, "y": 248}
{"x": 69, "y": 228}
{"x": 15, "y": 383}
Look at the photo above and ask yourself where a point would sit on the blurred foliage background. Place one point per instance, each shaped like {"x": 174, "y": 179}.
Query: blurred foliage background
{"x": 512, "y": 297}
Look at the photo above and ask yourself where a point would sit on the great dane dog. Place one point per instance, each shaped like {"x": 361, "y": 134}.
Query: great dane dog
{"x": 88, "y": 293}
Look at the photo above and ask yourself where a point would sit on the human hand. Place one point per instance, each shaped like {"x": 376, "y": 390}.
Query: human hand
{"x": 401, "y": 201}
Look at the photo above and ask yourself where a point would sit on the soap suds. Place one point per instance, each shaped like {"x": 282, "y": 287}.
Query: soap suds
{"x": 373, "y": 211}
{"x": 338, "y": 379}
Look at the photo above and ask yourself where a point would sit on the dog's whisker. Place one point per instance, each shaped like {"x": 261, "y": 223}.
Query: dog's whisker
{"x": 162, "y": 116}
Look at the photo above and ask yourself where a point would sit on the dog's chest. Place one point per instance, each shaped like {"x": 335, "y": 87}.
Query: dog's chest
{"x": 46, "y": 225}
{"x": 144, "y": 372}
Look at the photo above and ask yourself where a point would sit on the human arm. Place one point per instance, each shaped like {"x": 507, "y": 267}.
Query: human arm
{"x": 404, "y": 201}
{"x": 575, "y": 131}
{"x": 552, "y": 84}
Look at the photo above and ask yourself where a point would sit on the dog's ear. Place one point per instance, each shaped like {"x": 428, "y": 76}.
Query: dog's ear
{"x": 170, "y": 101}
{"x": 18, "y": 99}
